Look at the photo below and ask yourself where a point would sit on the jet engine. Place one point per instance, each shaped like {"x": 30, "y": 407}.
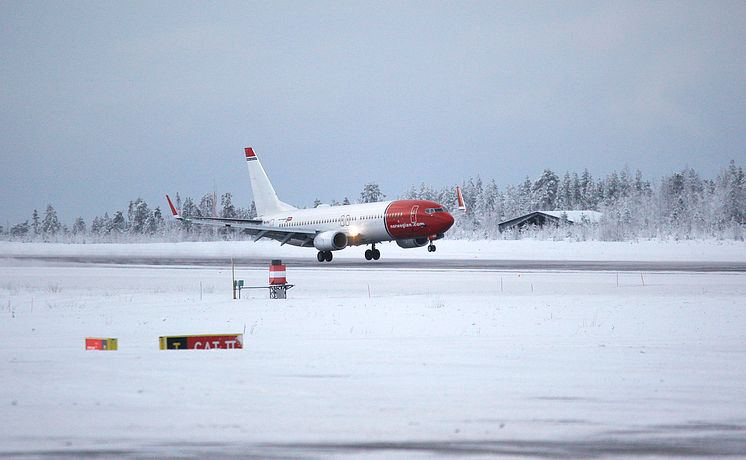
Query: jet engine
{"x": 412, "y": 243}
{"x": 330, "y": 241}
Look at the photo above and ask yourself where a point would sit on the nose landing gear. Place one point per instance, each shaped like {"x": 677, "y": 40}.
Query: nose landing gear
{"x": 373, "y": 253}
{"x": 431, "y": 247}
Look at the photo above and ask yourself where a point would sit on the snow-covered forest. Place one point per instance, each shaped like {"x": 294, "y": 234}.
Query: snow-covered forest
{"x": 682, "y": 205}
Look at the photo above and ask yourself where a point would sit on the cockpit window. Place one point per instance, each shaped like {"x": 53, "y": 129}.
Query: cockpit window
{"x": 433, "y": 210}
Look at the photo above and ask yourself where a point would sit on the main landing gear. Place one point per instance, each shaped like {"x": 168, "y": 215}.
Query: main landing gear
{"x": 372, "y": 254}
{"x": 324, "y": 256}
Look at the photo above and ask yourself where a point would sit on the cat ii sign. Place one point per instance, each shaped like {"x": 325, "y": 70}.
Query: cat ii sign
{"x": 202, "y": 342}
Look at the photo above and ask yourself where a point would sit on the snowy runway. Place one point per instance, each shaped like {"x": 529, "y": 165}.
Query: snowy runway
{"x": 386, "y": 363}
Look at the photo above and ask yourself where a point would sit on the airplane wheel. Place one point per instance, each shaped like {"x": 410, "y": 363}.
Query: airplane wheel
{"x": 368, "y": 254}
{"x": 376, "y": 254}
{"x": 431, "y": 248}
{"x": 329, "y": 256}
{"x": 320, "y": 256}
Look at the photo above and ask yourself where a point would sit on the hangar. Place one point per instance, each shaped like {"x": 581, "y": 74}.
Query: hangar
{"x": 542, "y": 218}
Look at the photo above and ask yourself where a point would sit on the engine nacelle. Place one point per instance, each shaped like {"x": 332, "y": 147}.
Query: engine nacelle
{"x": 412, "y": 243}
{"x": 330, "y": 241}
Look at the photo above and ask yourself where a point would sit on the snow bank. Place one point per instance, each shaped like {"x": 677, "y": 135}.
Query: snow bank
{"x": 363, "y": 362}
{"x": 647, "y": 250}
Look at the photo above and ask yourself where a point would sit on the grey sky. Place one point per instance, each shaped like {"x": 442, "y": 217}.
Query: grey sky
{"x": 102, "y": 102}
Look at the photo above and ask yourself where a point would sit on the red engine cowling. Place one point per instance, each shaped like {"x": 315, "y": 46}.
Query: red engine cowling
{"x": 412, "y": 243}
{"x": 330, "y": 241}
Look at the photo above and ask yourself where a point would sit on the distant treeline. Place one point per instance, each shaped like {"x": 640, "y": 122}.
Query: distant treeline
{"x": 682, "y": 205}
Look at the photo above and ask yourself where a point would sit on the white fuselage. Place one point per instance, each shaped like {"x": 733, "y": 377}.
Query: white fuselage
{"x": 362, "y": 223}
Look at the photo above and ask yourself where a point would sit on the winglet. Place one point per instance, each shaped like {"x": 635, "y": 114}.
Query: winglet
{"x": 250, "y": 155}
{"x": 173, "y": 208}
{"x": 460, "y": 199}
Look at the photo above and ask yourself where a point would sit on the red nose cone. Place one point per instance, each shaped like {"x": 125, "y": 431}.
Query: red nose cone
{"x": 447, "y": 221}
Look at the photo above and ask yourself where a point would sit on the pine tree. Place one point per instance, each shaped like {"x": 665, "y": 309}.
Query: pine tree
{"x": 130, "y": 213}
{"x": 625, "y": 184}
{"x": 188, "y": 209}
{"x": 736, "y": 194}
{"x": 50, "y": 226}
{"x": 471, "y": 193}
{"x": 154, "y": 222}
{"x": 577, "y": 192}
{"x": 425, "y": 192}
{"x": 106, "y": 223}
{"x": 20, "y": 230}
{"x": 478, "y": 198}
{"x": 491, "y": 199}
{"x": 118, "y": 224}
{"x": 587, "y": 190}
{"x": 79, "y": 226}
{"x": 611, "y": 189}
{"x": 139, "y": 214}
{"x": 565, "y": 193}
{"x": 35, "y": 225}
{"x": 411, "y": 194}
{"x": 523, "y": 195}
{"x": 207, "y": 205}
{"x": 96, "y": 226}
{"x": 371, "y": 193}
{"x": 228, "y": 211}
{"x": 545, "y": 191}
{"x": 640, "y": 186}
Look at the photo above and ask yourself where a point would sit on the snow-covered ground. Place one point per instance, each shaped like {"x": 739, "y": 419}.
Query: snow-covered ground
{"x": 643, "y": 250}
{"x": 384, "y": 363}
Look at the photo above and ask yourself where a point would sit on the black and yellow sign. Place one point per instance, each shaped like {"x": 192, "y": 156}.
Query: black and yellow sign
{"x": 201, "y": 342}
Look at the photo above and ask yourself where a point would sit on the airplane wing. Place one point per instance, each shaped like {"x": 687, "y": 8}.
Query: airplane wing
{"x": 303, "y": 237}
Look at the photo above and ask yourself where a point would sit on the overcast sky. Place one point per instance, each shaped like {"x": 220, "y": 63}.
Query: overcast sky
{"x": 105, "y": 101}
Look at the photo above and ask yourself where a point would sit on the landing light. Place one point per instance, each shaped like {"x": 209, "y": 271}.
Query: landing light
{"x": 353, "y": 232}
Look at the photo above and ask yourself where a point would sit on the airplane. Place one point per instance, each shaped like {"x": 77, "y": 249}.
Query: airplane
{"x": 411, "y": 223}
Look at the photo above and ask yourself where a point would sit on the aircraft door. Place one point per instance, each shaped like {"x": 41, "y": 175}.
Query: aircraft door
{"x": 413, "y": 214}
